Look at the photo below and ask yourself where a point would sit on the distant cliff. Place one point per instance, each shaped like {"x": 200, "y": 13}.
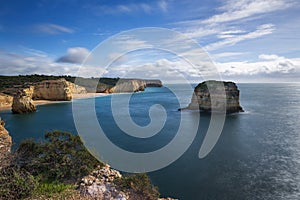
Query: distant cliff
{"x": 117, "y": 85}
{"x": 55, "y": 90}
{"x": 201, "y": 99}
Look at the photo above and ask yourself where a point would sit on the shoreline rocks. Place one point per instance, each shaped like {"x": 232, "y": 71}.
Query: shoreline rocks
{"x": 202, "y": 97}
{"x": 53, "y": 90}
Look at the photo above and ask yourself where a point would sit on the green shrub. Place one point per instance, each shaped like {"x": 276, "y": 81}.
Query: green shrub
{"x": 139, "y": 184}
{"x": 16, "y": 183}
{"x": 49, "y": 189}
{"x": 62, "y": 157}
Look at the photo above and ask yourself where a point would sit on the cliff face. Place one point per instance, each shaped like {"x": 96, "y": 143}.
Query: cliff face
{"x": 5, "y": 100}
{"x": 128, "y": 86}
{"x": 55, "y": 90}
{"x": 22, "y": 102}
{"x": 5, "y": 141}
{"x": 153, "y": 83}
{"x": 76, "y": 89}
{"x": 201, "y": 99}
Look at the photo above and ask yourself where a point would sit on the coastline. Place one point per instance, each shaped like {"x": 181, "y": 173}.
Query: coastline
{"x": 44, "y": 102}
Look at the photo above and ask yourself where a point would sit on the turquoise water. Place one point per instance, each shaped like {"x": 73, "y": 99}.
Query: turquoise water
{"x": 256, "y": 157}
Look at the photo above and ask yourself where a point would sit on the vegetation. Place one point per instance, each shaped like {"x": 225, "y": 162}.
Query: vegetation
{"x": 16, "y": 183}
{"x": 139, "y": 184}
{"x": 52, "y": 169}
{"x": 62, "y": 157}
{"x": 7, "y": 82}
{"x": 10, "y": 81}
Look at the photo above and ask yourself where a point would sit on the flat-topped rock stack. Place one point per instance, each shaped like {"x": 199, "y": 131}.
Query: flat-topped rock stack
{"x": 201, "y": 99}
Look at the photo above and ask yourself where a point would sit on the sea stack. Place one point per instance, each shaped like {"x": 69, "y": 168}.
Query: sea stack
{"x": 22, "y": 101}
{"x": 209, "y": 96}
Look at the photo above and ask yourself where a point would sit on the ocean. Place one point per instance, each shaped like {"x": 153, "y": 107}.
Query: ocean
{"x": 256, "y": 157}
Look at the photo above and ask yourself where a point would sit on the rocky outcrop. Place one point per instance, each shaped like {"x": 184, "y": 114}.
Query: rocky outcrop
{"x": 153, "y": 83}
{"x": 107, "y": 85}
{"x": 100, "y": 184}
{"x": 76, "y": 89}
{"x": 54, "y": 90}
{"x": 22, "y": 101}
{"x": 201, "y": 99}
{"x": 5, "y": 142}
{"x": 128, "y": 86}
{"x": 5, "y": 100}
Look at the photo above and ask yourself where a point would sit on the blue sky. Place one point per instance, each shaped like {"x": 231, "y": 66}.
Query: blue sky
{"x": 248, "y": 40}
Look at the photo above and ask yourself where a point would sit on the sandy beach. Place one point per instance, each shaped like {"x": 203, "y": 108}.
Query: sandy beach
{"x": 43, "y": 102}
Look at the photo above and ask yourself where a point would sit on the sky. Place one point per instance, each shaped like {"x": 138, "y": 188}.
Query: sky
{"x": 245, "y": 40}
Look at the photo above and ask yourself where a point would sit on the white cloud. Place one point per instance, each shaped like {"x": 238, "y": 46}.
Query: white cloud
{"x": 129, "y": 8}
{"x": 227, "y": 54}
{"x": 262, "y": 30}
{"x": 52, "y": 29}
{"x": 239, "y": 9}
{"x": 15, "y": 64}
{"x": 163, "y": 5}
{"x": 74, "y": 55}
{"x": 267, "y": 65}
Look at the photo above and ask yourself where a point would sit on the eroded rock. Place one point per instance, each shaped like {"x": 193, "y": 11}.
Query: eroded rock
{"x": 5, "y": 100}
{"x": 22, "y": 101}
{"x": 216, "y": 96}
{"x": 99, "y": 184}
{"x": 54, "y": 90}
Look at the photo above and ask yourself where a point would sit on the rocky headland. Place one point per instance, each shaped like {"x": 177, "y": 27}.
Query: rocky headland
{"x": 22, "y": 97}
{"x": 120, "y": 85}
{"x": 201, "y": 99}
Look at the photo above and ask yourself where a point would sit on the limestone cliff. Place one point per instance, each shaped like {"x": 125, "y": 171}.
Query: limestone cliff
{"x": 22, "y": 101}
{"x": 76, "y": 89}
{"x": 5, "y": 100}
{"x": 5, "y": 141}
{"x": 201, "y": 99}
{"x": 54, "y": 90}
{"x": 128, "y": 86}
{"x": 153, "y": 83}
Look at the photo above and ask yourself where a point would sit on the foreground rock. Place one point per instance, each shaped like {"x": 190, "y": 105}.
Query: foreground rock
{"x": 100, "y": 185}
{"x": 201, "y": 99}
{"x": 5, "y": 142}
{"x": 22, "y": 101}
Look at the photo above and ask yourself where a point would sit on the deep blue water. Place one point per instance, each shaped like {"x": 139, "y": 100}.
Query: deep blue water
{"x": 256, "y": 157}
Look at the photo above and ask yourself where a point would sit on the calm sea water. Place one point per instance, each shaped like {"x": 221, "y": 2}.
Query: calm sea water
{"x": 256, "y": 157}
